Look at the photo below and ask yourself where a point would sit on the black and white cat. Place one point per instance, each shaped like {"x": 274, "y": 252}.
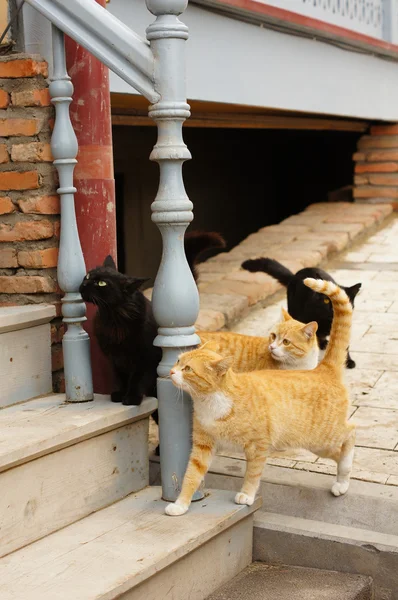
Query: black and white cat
{"x": 124, "y": 323}
{"x": 304, "y": 304}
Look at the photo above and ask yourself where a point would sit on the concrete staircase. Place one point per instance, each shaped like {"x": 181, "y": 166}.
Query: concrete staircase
{"x": 77, "y": 517}
{"x": 265, "y": 582}
{"x": 302, "y": 524}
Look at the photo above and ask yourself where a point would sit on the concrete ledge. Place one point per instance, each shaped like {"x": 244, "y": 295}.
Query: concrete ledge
{"x": 282, "y": 539}
{"x": 13, "y": 318}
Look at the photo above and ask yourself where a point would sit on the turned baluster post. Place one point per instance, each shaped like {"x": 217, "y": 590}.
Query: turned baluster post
{"x": 175, "y": 298}
{"x": 71, "y": 267}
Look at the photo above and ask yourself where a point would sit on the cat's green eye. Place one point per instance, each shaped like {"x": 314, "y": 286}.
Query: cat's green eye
{"x": 187, "y": 368}
{"x": 286, "y": 342}
{"x": 102, "y": 283}
{"x": 272, "y": 337}
{"x": 326, "y": 300}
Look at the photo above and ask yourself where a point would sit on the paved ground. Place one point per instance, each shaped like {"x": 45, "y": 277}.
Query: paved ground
{"x": 374, "y": 345}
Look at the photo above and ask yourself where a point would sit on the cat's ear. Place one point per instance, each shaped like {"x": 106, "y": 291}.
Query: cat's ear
{"x": 310, "y": 329}
{"x": 285, "y": 316}
{"x": 134, "y": 283}
{"x": 109, "y": 262}
{"x": 222, "y": 365}
{"x": 353, "y": 290}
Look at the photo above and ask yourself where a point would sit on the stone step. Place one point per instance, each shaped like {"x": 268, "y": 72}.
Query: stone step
{"x": 307, "y": 495}
{"x": 61, "y": 461}
{"x": 281, "y": 539}
{"x": 25, "y": 352}
{"x": 132, "y": 550}
{"x": 265, "y": 582}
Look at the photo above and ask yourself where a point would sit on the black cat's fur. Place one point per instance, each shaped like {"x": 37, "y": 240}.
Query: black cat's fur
{"x": 304, "y": 304}
{"x": 124, "y": 324}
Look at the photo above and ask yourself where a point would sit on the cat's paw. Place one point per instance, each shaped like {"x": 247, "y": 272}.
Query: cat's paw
{"x": 340, "y": 487}
{"x": 116, "y": 396}
{"x": 242, "y": 498}
{"x": 175, "y": 510}
{"x": 132, "y": 400}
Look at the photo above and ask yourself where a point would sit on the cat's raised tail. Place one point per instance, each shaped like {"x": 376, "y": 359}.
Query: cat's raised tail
{"x": 196, "y": 242}
{"x": 270, "y": 266}
{"x": 336, "y": 352}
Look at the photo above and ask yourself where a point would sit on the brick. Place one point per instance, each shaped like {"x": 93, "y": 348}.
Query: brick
{"x": 381, "y": 167}
{"x": 335, "y": 241}
{"x": 312, "y": 244}
{"x": 6, "y": 205}
{"x": 375, "y": 192}
{"x": 26, "y": 230}
{"x": 220, "y": 267}
{"x": 4, "y": 158}
{"x": 28, "y": 127}
{"x": 367, "y": 221}
{"x": 384, "y": 130}
{"x": 38, "y": 259}
{"x": 359, "y": 156}
{"x": 209, "y": 320}
{"x": 59, "y": 382}
{"x": 57, "y": 229}
{"x": 254, "y": 292}
{"x": 311, "y": 220}
{"x": 31, "y": 152}
{"x": 4, "y": 99}
{"x": 23, "y": 67}
{"x": 44, "y": 205}
{"x": 57, "y": 333}
{"x": 26, "y": 285}
{"x": 31, "y": 98}
{"x": 57, "y": 357}
{"x": 308, "y": 258}
{"x": 232, "y": 306}
{"x": 8, "y": 258}
{"x": 383, "y": 179}
{"x": 382, "y": 155}
{"x": 371, "y": 141}
{"x": 287, "y": 228}
{"x": 15, "y": 180}
{"x": 353, "y": 229}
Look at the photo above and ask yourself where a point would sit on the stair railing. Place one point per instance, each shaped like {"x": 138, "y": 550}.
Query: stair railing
{"x": 157, "y": 70}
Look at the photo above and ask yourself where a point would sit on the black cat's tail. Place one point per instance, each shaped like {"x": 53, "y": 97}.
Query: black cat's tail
{"x": 270, "y": 266}
{"x": 197, "y": 242}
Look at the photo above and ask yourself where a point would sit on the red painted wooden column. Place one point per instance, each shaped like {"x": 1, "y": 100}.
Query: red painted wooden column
{"x": 94, "y": 180}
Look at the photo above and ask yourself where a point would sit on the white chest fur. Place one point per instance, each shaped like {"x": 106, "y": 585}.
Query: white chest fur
{"x": 212, "y": 408}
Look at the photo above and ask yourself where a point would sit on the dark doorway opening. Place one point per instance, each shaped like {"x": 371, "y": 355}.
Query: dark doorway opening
{"x": 239, "y": 180}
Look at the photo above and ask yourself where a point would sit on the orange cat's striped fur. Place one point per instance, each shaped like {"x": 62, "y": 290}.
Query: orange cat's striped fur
{"x": 269, "y": 410}
{"x": 290, "y": 345}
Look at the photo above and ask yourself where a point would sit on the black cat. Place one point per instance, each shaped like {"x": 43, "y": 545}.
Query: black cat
{"x": 302, "y": 303}
{"x": 124, "y": 324}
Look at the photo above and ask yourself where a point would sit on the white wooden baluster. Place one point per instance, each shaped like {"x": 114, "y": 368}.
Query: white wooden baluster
{"x": 175, "y": 297}
{"x": 71, "y": 267}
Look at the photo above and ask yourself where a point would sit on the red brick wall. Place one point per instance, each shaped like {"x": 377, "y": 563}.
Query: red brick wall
{"x": 29, "y": 205}
{"x": 376, "y": 165}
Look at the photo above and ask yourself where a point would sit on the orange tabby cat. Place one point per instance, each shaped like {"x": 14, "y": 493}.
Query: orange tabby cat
{"x": 269, "y": 410}
{"x": 290, "y": 345}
